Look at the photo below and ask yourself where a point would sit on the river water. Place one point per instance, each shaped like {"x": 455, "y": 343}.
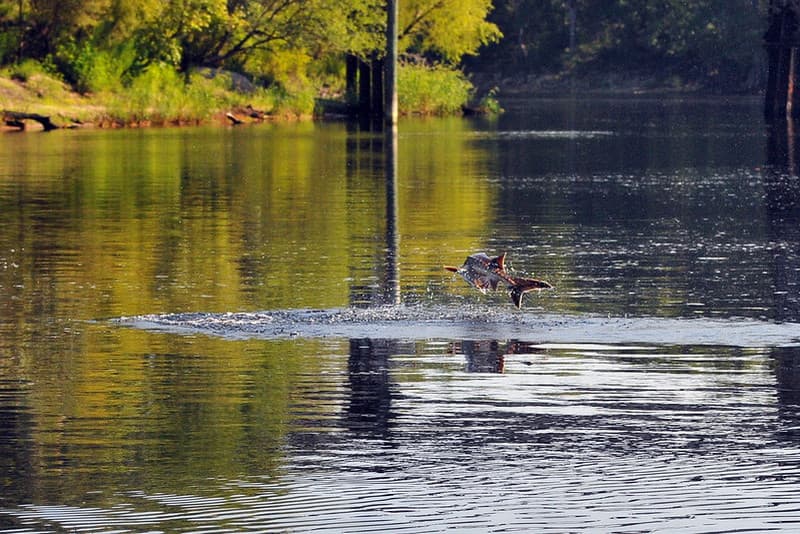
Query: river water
{"x": 250, "y": 330}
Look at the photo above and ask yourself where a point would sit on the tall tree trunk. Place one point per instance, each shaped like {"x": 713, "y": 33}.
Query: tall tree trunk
{"x": 377, "y": 87}
{"x": 364, "y": 87}
{"x": 351, "y": 78}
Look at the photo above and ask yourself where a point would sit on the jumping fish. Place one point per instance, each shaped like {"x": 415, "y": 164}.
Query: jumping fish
{"x": 485, "y": 273}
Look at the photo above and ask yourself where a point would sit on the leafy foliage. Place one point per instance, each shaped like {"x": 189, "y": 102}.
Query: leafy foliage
{"x": 227, "y": 33}
{"x": 431, "y": 90}
{"x": 717, "y": 42}
{"x": 449, "y": 28}
{"x": 296, "y": 46}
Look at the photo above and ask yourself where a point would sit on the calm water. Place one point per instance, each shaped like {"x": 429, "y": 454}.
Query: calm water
{"x": 241, "y": 330}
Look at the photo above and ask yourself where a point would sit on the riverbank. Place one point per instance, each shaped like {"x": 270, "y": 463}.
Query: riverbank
{"x": 161, "y": 100}
{"x": 163, "y": 97}
{"x": 612, "y": 82}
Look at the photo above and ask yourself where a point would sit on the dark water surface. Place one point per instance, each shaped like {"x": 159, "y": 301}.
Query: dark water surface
{"x": 249, "y": 329}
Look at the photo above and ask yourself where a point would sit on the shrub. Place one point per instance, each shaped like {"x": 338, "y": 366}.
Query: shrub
{"x": 160, "y": 94}
{"x": 90, "y": 69}
{"x": 489, "y": 103}
{"x": 9, "y": 45}
{"x": 23, "y": 72}
{"x": 163, "y": 95}
{"x": 431, "y": 90}
{"x": 39, "y": 80}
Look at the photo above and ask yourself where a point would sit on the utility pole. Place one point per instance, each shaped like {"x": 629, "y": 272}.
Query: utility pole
{"x": 390, "y": 66}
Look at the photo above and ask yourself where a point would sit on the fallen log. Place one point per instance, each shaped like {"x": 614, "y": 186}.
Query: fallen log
{"x": 15, "y": 119}
{"x": 254, "y": 113}
{"x": 233, "y": 118}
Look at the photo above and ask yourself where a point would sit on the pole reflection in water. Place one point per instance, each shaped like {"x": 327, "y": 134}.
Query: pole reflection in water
{"x": 16, "y": 455}
{"x": 392, "y": 282}
{"x": 372, "y": 181}
{"x": 369, "y": 412}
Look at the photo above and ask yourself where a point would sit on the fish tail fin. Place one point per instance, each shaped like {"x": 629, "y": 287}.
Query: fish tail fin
{"x": 521, "y": 286}
{"x": 501, "y": 261}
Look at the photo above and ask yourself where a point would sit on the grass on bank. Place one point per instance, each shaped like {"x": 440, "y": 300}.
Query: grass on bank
{"x": 161, "y": 95}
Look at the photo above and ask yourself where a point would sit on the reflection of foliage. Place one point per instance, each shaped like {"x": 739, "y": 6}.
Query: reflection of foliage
{"x": 166, "y": 217}
{"x": 112, "y": 223}
{"x": 175, "y": 411}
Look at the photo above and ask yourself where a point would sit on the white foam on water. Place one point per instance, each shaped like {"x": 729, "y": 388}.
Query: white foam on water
{"x": 448, "y": 322}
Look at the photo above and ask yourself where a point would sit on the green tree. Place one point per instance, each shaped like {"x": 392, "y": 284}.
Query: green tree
{"x": 217, "y": 33}
{"x": 717, "y": 42}
{"x": 48, "y": 22}
{"x": 450, "y": 29}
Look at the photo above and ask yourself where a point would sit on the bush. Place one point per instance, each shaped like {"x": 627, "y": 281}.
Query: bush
{"x": 9, "y": 45}
{"x": 23, "y": 72}
{"x": 160, "y": 94}
{"x": 230, "y": 90}
{"x": 430, "y": 90}
{"x": 39, "y": 80}
{"x": 489, "y": 104}
{"x": 90, "y": 69}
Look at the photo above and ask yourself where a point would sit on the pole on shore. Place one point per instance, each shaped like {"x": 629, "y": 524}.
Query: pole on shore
{"x": 390, "y": 65}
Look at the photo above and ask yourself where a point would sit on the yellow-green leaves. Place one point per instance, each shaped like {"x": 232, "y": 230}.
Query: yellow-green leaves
{"x": 451, "y": 28}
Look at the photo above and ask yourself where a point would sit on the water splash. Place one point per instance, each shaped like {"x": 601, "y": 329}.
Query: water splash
{"x": 472, "y": 322}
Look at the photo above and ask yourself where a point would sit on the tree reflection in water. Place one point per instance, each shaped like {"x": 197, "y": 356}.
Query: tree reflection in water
{"x": 782, "y": 203}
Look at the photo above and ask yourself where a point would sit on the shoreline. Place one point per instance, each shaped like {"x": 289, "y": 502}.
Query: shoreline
{"x": 602, "y": 84}
{"x": 42, "y": 103}
{"x": 68, "y": 109}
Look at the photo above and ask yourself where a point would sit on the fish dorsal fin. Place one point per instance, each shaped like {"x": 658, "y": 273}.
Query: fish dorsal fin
{"x": 501, "y": 261}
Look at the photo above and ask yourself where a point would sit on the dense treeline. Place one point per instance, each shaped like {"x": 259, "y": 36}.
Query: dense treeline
{"x": 99, "y": 45}
{"x": 296, "y": 48}
{"x": 247, "y": 35}
{"x": 714, "y": 44}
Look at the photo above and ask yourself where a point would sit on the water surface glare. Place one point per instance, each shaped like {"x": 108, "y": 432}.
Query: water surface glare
{"x": 250, "y": 329}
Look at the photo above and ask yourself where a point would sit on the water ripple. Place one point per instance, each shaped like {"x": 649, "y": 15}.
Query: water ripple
{"x": 589, "y": 495}
{"x": 491, "y": 435}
